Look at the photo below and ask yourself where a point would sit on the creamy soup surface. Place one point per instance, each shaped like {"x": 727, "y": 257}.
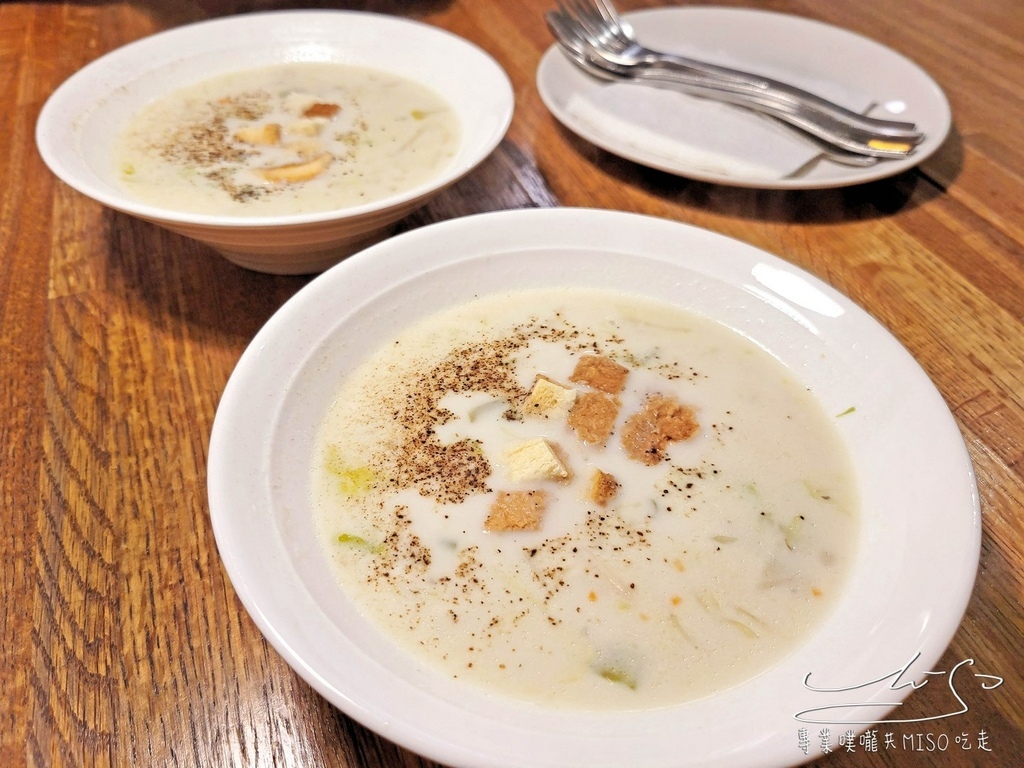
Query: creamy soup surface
{"x": 290, "y": 138}
{"x": 584, "y": 499}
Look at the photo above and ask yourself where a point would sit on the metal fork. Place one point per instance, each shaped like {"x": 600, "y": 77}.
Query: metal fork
{"x": 838, "y": 133}
{"x": 597, "y": 28}
{"x": 832, "y": 147}
{"x": 826, "y": 130}
{"x": 826, "y": 149}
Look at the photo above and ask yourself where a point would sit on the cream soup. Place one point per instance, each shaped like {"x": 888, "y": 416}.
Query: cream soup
{"x": 291, "y": 138}
{"x": 584, "y": 499}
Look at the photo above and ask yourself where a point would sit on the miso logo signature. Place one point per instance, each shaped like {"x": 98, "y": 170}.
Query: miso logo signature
{"x": 894, "y": 682}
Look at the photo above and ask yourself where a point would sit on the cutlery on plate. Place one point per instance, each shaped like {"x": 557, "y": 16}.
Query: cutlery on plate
{"x": 826, "y": 149}
{"x": 595, "y": 38}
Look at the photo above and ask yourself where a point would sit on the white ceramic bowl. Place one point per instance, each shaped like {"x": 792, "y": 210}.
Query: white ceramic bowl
{"x": 909, "y": 585}
{"x": 78, "y": 124}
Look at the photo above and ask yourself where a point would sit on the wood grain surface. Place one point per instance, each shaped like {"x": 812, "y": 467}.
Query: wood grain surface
{"x": 122, "y": 642}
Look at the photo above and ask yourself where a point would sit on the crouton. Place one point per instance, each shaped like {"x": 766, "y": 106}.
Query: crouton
{"x": 295, "y": 172}
{"x": 602, "y": 487}
{"x": 660, "y": 421}
{"x": 549, "y": 398}
{"x": 593, "y": 416}
{"x": 601, "y": 373}
{"x": 534, "y": 459}
{"x": 320, "y": 109}
{"x": 517, "y": 511}
{"x": 267, "y": 134}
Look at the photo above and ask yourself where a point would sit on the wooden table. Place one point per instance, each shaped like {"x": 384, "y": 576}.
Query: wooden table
{"x": 121, "y": 640}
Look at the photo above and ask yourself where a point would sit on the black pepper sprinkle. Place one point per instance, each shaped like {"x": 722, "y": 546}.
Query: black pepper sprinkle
{"x": 207, "y": 145}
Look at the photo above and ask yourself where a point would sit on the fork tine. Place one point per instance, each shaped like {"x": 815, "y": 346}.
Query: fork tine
{"x": 579, "y": 10}
{"x": 570, "y": 35}
{"x": 564, "y": 31}
{"x": 613, "y": 21}
{"x": 565, "y": 26}
{"x": 586, "y": 17}
{"x": 576, "y": 50}
{"x": 576, "y": 45}
{"x": 599, "y": 22}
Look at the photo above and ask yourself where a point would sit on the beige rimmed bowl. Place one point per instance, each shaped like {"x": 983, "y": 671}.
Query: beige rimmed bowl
{"x": 81, "y": 121}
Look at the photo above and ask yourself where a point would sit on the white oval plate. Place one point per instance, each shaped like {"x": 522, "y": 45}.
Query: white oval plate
{"x": 909, "y": 584}
{"x": 832, "y": 62}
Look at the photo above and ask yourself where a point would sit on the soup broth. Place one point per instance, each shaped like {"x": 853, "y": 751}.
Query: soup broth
{"x": 584, "y": 499}
{"x": 285, "y": 139}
